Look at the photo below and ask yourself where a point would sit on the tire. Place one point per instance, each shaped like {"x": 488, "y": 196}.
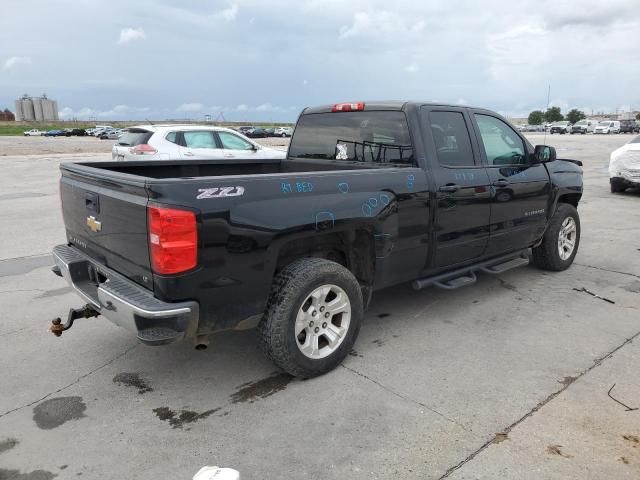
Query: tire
{"x": 291, "y": 298}
{"x": 547, "y": 255}
{"x": 617, "y": 187}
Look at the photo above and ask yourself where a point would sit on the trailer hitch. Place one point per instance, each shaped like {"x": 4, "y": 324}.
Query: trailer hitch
{"x": 85, "y": 312}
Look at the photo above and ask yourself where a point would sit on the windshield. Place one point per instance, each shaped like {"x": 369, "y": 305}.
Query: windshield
{"x": 582, "y": 122}
{"x": 604, "y": 124}
{"x": 368, "y": 136}
{"x": 560, "y": 123}
{"x": 132, "y": 138}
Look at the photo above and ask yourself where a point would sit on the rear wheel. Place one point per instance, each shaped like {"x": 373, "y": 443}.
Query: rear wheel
{"x": 313, "y": 317}
{"x": 560, "y": 242}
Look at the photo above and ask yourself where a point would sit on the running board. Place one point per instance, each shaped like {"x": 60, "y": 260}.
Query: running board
{"x": 467, "y": 275}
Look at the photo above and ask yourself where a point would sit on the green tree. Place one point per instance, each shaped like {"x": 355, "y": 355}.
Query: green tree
{"x": 536, "y": 117}
{"x": 638, "y": 116}
{"x": 553, "y": 114}
{"x": 575, "y": 115}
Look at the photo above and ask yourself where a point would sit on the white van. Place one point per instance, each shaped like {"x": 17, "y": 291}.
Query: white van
{"x": 584, "y": 126}
{"x": 607, "y": 126}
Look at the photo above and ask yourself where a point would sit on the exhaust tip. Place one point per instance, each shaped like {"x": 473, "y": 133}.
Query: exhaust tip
{"x": 201, "y": 346}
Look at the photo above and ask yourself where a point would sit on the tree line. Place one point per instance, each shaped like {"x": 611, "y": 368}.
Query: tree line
{"x": 554, "y": 114}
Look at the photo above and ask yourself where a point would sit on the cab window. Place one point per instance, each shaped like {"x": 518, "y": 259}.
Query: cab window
{"x": 451, "y": 139}
{"x": 502, "y": 145}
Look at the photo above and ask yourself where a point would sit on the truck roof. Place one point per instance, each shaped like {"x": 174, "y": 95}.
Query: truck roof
{"x": 385, "y": 105}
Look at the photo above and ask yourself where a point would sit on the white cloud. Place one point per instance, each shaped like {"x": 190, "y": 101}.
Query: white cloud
{"x": 190, "y": 107}
{"x": 380, "y": 23}
{"x": 123, "y": 112}
{"x": 13, "y": 62}
{"x": 242, "y": 107}
{"x": 305, "y": 82}
{"x": 130, "y": 34}
{"x": 230, "y": 13}
{"x": 412, "y": 67}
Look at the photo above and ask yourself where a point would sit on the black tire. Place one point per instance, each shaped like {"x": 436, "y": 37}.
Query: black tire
{"x": 290, "y": 289}
{"x": 546, "y": 256}
{"x": 617, "y": 187}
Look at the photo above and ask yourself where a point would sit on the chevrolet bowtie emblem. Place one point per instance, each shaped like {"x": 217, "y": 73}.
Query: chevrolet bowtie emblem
{"x": 94, "y": 224}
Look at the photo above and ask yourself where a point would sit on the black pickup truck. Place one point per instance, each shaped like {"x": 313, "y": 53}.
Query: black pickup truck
{"x": 369, "y": 196}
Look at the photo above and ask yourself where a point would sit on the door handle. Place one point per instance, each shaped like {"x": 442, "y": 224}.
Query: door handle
{"x": 449, "y": 188}
{"x": 188, "y": 154}
{"x": 501, "y": 183}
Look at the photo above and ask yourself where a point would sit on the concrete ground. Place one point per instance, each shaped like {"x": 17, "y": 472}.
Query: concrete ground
{"x": 506, "y": 379}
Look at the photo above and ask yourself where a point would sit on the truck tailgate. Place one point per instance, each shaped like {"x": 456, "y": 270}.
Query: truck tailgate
{"x": 106, "y": 219}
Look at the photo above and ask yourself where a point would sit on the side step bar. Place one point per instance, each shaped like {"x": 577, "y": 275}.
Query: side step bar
{"x": 467, "y": 275}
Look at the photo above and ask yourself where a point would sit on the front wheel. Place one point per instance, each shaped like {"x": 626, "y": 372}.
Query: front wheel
{"x": 312, "y": 318}
{"x": 560, "y": 242}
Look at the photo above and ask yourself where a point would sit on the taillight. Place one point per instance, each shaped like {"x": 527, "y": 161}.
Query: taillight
{"x": 348, "y": 107}
{"x": 143, "y": 149}
{"x": 173, "y": 240}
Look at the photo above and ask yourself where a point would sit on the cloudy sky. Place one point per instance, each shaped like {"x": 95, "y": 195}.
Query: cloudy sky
{"x": 265, "y": 60}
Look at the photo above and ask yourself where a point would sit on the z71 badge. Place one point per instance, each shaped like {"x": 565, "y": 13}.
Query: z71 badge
{"x": 219, "y": 192}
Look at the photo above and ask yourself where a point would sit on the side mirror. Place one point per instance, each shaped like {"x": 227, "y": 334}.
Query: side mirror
{"x": 544, "y": 153}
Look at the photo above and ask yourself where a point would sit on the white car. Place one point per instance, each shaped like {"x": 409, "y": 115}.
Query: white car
{"x": 283, "y": 131}
{"x": 607, "y": 126}
{"x": 34, "y": 132}
{"x": 624, "y": 167}
{"x": 188, "y": 142}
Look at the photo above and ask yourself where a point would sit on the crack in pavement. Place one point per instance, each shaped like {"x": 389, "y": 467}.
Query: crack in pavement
{"x": 405, "y": 397}
{"x": 607, "y": 270}
{"x": 597, "y": 362}
{"x": 72, "y": 383}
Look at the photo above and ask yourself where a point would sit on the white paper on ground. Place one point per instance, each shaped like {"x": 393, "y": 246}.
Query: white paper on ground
{"x": 215, "y": 473}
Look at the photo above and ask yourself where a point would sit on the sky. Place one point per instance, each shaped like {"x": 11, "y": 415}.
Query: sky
{"x": 266, "y": 60}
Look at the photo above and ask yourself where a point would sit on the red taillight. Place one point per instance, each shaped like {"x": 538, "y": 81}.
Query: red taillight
{"x": 173, "y": 240}
{"x": 143, "y": 149}
{"x": 348, "y": 107}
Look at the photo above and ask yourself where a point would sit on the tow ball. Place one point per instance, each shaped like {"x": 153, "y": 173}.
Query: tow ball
{"x": 57, "y": 327}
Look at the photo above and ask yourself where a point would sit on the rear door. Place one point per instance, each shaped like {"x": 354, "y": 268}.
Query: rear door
{"x": 200, "y": 145}
{"x": 462, "y": 187}
{"x": 105, "y": 217}
{"x": 520, "y": 190}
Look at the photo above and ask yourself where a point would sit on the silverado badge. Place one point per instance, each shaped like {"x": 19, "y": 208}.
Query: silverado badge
{"x": 94, "y": 224}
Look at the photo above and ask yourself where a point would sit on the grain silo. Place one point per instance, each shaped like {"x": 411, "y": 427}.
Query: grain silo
{"x": 28, "y": 114}
{"x": 18, "y": 104}
{"x": 37, "y": 108}
{"x": 49, "y": 108}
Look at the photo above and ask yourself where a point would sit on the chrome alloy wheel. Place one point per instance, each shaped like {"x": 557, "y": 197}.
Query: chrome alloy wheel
{"x": 567, "y": 238}
{"x": 323, "y": 321}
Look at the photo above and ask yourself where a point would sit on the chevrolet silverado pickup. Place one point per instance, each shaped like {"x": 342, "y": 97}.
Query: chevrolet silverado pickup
{"x": 370, "y": 195}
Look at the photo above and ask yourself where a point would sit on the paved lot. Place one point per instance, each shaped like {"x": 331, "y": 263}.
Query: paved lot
{"x": 505, "y": 379}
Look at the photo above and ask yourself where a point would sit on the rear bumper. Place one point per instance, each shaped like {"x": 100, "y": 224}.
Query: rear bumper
{"x": 125, "y": 303}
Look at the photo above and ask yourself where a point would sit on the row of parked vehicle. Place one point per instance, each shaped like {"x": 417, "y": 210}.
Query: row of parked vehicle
{"x": 585, "y": 126}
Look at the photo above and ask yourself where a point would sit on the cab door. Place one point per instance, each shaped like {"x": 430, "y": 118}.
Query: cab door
{"x": 462, "y": 187}
{"x": 520, "y": 190}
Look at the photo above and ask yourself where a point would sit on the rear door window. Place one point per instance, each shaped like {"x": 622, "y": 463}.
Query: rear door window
{"x": 233, "y": 142}
{"x": 199, "y": 139}
{"x": 366, "y": 136}
{"x": 451, "y": 139}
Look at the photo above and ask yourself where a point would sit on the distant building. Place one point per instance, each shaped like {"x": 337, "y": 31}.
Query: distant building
{"x": 36, "y": 109}
{"x": 7, "y": 115}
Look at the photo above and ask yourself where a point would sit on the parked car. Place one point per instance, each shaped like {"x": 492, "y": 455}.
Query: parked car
{"x": 244, "y": 130}
{"x": 283, "y": 132}
{"x": 188, "y": 142}
{"x": 624, "y": 167}
{"x": 607, "y": 126}
{"x": 627, "y": 126}
{"x": 34, "y": 132}
{"x": 256, "y": 133}
{"x": 583, "y": 126}
{"x": 174, "y": 251}
{"x": 560, "y": 127}
{"x": 270, "y": 132}
{"x": 110, "y": 135}
{"x": 55, "y": 133}
{"x": 78, "y": 132}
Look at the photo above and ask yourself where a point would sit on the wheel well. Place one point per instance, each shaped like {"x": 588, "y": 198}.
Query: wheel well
{"x": 353, "y": 250}
{"x": 571, "y": 198}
